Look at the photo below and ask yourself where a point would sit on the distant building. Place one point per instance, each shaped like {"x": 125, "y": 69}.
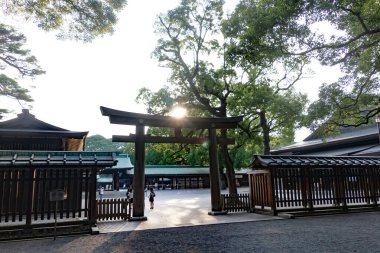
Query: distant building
{"x": 162, "y": 176}
{"x": 358, "y": 141}
{"x": 116, "y": 177}
{"x": 28, "y": 133}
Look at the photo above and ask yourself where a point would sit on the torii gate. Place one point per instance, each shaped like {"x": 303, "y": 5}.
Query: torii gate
{"x": 141, "y": 120}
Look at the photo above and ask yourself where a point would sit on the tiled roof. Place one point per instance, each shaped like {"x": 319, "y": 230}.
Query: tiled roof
{"x": 347, "y": 139}
{"x": 28, "y": 124}
{"x": 16, "y": 158}
{"x": 347, "y": 132}
{"x": 268, "y": 161}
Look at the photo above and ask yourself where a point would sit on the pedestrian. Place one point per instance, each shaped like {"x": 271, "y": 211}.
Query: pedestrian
{"x": 146, "y": 190}
{"x": 101, "y": 192}
{"x": 130, "y": 195}
{"x": 151, "y": 198}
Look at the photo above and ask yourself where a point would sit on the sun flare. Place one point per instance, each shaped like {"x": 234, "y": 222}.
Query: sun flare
{"x": 178, "y": 112}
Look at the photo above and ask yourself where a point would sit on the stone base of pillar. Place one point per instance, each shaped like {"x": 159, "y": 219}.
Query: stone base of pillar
{"x": 142, "y": 218}
{"x": 94, "y": 231}
{"x": 214, "y": 213}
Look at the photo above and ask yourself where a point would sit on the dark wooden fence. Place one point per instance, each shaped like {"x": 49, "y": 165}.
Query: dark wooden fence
{"x": 24, "y": 193}
{"x": 312, "y": 189}
{"x": 236, "y": 203}
{"x": 26, "y": 178}
{"x": 113, "y": 209}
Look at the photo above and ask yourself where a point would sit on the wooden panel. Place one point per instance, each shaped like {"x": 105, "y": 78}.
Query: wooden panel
{"x": 113, "y": 209}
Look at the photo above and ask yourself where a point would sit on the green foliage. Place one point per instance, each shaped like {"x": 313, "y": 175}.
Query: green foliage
{"x": 175, "y": 154}
{"x": 210, "y": 83}
{"x": 99, "y": 143}
{"x": 348, "y": 36}
{"x": 156, "y": 102}
{"x": 13, "y": 56}
{"x": 81, "y": 20}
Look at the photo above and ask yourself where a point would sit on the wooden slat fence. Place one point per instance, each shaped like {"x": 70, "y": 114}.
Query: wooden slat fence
{"x": 24, "y": 194}
{"x": 312, "y": 189}
{"x": 236, "y": 203}
{"x": 113, "y": 209}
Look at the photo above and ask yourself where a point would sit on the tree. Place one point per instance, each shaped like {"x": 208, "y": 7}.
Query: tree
{"x": 97, "y": 143}
{"x": 190, "y": 44}
{"x": 270, "y": 114}
{"x": 80, "y": 20}
{"x": 352, "y": 44}
{"x": 189, "y": 30}
{"x": 13, "y": 55}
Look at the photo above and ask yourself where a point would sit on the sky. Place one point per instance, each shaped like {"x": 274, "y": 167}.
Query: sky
{"x": 81, "y": 77}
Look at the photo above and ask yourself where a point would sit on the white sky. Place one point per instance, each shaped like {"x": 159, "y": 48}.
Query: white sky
{"x": 108, "y": 72}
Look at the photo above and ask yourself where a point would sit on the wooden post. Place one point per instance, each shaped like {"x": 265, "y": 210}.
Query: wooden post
{"x": 30, "y": 194}
{"x": 92, "y": 200}
{"x": 216, "y": 203}
{"x": 309, "y": 185}
{"x": 251, "y": 192}
{"x": 139, "y": 176}
{"x": 304, "y": 184}
{"x": 272, "y": 189}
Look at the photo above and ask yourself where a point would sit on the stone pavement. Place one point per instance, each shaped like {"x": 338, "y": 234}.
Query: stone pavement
{"x": 178, "y": 208}
{"x": 173, "y": 227}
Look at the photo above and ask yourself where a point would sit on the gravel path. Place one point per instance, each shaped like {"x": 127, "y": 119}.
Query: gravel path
{"x": 333, "y": 233}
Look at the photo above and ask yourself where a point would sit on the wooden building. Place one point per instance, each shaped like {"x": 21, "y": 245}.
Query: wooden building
{"x": 352, "y": 141}
{"x": 26, "y": 132}
{"x": 38, "y": 162}
{"x": 116, "y": 177}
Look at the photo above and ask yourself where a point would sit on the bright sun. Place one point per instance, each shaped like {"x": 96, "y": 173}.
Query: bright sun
{"x": 178, "y": 112}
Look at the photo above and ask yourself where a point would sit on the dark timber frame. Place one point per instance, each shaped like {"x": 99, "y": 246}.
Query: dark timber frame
{"x": 142, "y": 120}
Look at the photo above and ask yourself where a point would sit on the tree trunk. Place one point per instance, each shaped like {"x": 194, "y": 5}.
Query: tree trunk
{"x": 265, "y": 128}
{"x": 230, "y": 172}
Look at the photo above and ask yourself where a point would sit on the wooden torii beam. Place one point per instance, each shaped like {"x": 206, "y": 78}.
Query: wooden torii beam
{"x": 141, "y": 120}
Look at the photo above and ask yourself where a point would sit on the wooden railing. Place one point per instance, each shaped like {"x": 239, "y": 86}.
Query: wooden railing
{"x": 113, "y": 209}
{"x": 236, "y": 203}
{"x": 311, "y": 189}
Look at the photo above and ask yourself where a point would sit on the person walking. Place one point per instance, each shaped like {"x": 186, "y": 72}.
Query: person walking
{"x": 101, "y": 192}
{"x": 130, "y": 195}
{"x": 152, "y": 195}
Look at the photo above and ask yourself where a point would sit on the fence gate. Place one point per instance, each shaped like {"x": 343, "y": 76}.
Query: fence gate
{"x": 113, "y": 209}
{"x": 236, "y": 202}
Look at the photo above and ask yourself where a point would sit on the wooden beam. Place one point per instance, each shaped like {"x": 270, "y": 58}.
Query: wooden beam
{"x": 159, "y": 139}
{"x": 130, "y": 118}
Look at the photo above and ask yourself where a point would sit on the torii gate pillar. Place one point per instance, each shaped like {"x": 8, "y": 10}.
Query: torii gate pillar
{"x": 216, "y": 203}
{"x": 139, "y": 176}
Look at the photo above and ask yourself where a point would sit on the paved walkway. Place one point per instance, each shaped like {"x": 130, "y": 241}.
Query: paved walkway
{"x": 178, "y": 208}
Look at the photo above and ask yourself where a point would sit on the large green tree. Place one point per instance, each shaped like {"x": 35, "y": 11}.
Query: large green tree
{"x": 80, "y": 20}
{"x": 342, "y": 33}
{"x": 188, "y": 38}
{"x": 208, "y": 82}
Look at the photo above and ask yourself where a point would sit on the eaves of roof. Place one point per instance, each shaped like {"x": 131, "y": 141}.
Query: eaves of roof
{"x": 328, "y": 143}
{"x": 278, "y": 161}
{"x": 39, "y": 133}
{"x": 17, "y": 159}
